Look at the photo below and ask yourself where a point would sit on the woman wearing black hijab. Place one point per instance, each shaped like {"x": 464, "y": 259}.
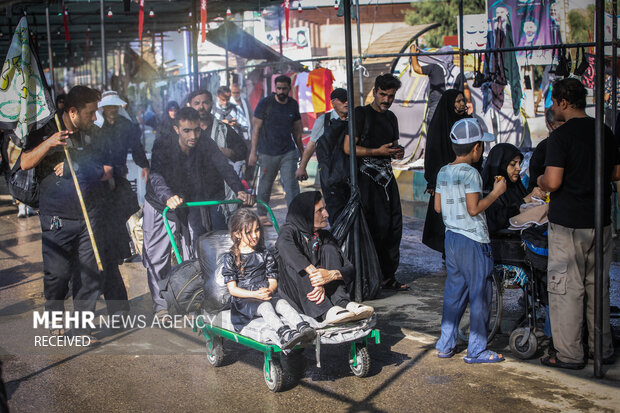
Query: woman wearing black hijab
{"x": 166, "y": 123}
{"x": 451, "y": 107}
{"x": 315, "y": 276}
{"x": 505, "y": 160}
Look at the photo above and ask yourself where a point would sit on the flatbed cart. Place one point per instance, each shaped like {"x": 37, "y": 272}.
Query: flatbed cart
{"x": 355, "y": 333}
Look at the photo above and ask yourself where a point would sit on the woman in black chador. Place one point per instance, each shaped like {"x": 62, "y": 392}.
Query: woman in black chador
{"x": 451, "y": 107}
{"x": 315, "y": 276}
{"x": 505, "y": 160}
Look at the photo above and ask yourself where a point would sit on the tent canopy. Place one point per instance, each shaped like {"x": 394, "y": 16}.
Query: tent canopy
{"x": 239, "y": 42}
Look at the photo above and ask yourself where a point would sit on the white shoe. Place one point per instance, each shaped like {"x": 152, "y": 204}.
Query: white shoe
{"x": 21, "y": 211}
{"x": 337, "y": 315}
{"x": 361, "y": 311}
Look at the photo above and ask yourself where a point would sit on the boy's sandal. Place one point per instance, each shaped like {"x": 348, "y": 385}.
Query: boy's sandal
{"x": 553, "y": 361}
{"x": 395, "y": 286}
{"x": 487, "y": 356}
{"x": 446, "y": 355}
{"x": 57, "y": 332}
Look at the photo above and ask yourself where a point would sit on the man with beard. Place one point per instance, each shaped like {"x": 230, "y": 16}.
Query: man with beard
{"x": 116, "y": 137}
{"x": 182, "y": 171}
{"x": 276, "y": 143}
{"x": 327, "y": 136}
{"x": 376, "y": 135}
{"x": 230, "y": 144}
{"x": 66, "y": 247}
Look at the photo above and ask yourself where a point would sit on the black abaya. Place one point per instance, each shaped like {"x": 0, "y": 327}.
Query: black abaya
{"x": 297, "y": 250}
{"x": 507, "y": 205}
{"x": 438, "y": 153}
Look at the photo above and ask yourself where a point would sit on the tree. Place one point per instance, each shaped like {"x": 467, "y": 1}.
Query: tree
{"x": 581, "y": 25}
{"x": 443, "y": 12}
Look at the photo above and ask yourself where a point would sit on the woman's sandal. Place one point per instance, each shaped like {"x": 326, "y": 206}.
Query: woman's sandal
{"x": 395, "y": 286}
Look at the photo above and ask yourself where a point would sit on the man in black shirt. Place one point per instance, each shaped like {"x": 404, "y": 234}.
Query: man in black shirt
{"x": 276, "y": 143}
{"x": 66, "y": 247}
{"x": 188, "y": 169}
{"x": 376, "y": 134}
{"x": 230, "y": 143}
{"x": 537, "y": 161}
{"x": 569, "y": 176}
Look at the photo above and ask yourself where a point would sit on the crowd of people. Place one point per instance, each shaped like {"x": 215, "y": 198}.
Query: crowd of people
{"x": 208, "y": 149}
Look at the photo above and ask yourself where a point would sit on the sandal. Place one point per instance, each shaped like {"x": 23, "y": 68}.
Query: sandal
{"x": 554, "y": 361}
{"x": 337, "y": 315}
{"x": 361, "y": 311}
{"x": 447, "y": 355}
{"x": 395, "y": 286}
{"x": 487, "y": 356}
{"x": 266, "y": 222}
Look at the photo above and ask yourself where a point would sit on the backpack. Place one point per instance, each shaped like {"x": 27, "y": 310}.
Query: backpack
{"x": 183, "y": 289}
{"x": 24, "y": 185}
{"x": 536, "y": 245}
{"x": 333, "y": 162}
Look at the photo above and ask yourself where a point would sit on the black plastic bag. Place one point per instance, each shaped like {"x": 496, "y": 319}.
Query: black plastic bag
{"x": 23, "y": 185}
{"x": 342, "y": 230}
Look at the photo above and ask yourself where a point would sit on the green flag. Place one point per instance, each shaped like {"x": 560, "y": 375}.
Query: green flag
{"x": 25, "y": 100}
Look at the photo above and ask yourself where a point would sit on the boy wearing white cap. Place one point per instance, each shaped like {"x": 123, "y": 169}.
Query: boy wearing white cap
{"x": 458, "y": 197}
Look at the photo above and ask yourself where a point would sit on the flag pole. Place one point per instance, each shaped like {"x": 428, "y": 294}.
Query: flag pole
{"x": 81, "y": 198}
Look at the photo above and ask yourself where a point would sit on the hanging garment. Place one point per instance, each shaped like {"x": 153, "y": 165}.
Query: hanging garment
{"x": 304, "y": 93}
{"x": 320, "y": 80}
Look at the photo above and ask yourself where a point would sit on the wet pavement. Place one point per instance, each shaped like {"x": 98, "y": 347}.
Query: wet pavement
{"x": 164, "y": 369}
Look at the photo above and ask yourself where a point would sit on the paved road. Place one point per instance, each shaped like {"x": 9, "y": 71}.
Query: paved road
{"x": 158, "y": 369}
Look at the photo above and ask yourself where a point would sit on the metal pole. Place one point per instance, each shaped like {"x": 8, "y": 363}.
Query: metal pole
{"x": 227, "y": 64}
{"x": 104, "y": 69}
{"x": 614, "y": 63}
{"x": 49, "y": 47}
{"x": 162, "y": 53}
{"x": 352, "y": 159}
{"x": 461, "y": 46}
{"x": 280, "y": 32}
{"x": 598, "y": 192}
{"x": 195, "y": 43}
{"x": 359, "y": 51}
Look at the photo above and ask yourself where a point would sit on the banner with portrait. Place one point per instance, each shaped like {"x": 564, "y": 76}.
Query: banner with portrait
{"x": 533, "y": 22}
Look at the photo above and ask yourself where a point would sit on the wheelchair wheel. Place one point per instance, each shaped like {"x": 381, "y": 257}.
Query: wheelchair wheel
{"x": 276, "y": 382}
{"x": 216, "y": 354}
{"x": 363, "y": 362}
{"x": 495, "y": 312}
{"x": 523, "y": 345}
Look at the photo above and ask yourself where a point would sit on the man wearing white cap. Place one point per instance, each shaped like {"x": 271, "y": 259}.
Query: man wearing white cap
{"x": 121, "y": 135}
{"x": 115, "y": 137}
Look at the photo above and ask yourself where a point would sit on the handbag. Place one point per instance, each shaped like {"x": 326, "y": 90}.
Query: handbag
{"x": 562, "y": 69}
{"x": 24, "y": 185}
{"x": 479, "y": 78}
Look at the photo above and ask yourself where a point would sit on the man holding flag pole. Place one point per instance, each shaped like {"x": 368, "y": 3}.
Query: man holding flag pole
{"x": 68, "y": 246}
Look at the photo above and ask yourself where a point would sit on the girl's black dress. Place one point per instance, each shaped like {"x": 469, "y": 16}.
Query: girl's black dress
{"x": 258, "y": 266}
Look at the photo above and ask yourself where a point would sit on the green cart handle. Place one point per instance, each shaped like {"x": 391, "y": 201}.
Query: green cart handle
{"x": 209, "y": 203}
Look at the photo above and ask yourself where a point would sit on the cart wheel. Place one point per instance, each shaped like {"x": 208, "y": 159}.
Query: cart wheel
{"x": 216, "y": 355}
{"x": 277, "y": 376}
{"x": 523, "y": 350}
{"x": 363, "y": 362}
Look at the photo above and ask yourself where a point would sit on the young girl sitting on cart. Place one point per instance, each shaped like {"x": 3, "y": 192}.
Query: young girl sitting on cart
{"x": 250, "y": 273}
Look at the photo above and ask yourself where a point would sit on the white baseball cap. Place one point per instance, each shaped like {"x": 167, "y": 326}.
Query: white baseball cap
{"x": 111, "y": 98}
{"x": 468, "y": 130}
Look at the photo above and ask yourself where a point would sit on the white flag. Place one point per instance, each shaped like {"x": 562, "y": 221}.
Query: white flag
{"x": 25, "y": 99}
